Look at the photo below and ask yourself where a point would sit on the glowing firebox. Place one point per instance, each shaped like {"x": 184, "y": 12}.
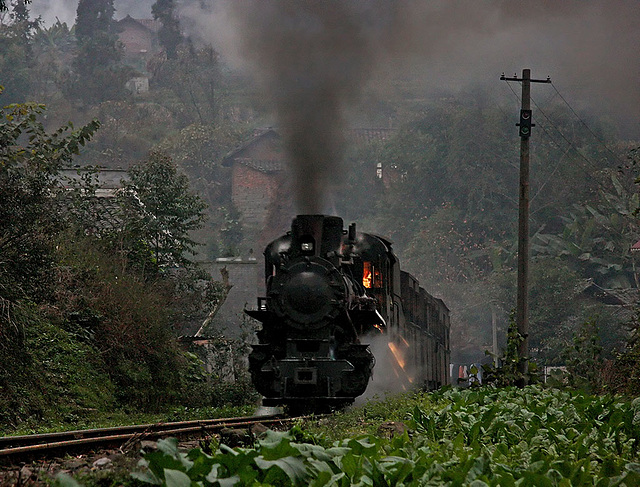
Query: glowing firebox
{"x": 371, "y": 276}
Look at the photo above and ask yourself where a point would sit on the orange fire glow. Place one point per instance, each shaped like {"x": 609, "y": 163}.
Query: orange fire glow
{"x": 401, "y": 362}
{"x": 367, "y": 276}
{"x": 397, "y": 355}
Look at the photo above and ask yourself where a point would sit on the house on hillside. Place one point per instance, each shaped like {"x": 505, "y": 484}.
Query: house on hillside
{"x": 365, "y": 136}
{"x": 257, "y": 181}
{"x": 140, "y": 40}
{"x": 102, "y": 210}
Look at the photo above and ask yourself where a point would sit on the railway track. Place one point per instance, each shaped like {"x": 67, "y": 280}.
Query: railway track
{"x": 12, "y": 447}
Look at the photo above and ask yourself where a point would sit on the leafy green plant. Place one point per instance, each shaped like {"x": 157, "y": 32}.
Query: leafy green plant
{"x": 537, "y": 435}
{"x": 584, "y": 358}
{"x": 159, "y": 211}
{"x": 479, "y": 437}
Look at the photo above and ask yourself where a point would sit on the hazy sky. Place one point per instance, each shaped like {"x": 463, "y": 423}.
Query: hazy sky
{"x": 315, "y": 57}
{"x": 65, "y": 10}
{"x": 589, "y": 48}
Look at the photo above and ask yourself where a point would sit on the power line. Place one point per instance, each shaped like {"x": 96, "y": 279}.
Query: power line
{"x": 569, "y": 143}
{"x": 583, "y": 122}
{"x": 592, "y": 165}
{"x": 564, "y": 137}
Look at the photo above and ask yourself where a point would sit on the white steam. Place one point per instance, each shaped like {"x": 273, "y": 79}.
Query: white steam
{"x": 389, "y": 377}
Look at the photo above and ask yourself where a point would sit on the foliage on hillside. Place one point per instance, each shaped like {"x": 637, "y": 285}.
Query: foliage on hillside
{"x": 479, "y": 437}
{"x": 90, "y": 318}
{"x": 116, "y": 297}
{"x": 449, "y": 202}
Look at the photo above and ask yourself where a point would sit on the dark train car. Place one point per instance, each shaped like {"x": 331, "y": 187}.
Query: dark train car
{"x": 328, "y": 291}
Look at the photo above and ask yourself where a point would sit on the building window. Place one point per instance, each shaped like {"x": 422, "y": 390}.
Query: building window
{"x": 379, "y": 170}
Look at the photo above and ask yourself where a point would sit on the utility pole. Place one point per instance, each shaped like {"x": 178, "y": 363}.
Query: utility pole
{"x": 522, "y": 304}
{"x": 494, "y": 335}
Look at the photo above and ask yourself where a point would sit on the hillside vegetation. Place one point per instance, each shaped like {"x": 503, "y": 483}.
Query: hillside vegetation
{"x": 91, "y": 312}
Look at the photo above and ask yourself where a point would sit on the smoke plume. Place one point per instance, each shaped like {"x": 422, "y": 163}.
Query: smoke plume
{"x": 315, "y": 58}
{"x": 389, "y": 375}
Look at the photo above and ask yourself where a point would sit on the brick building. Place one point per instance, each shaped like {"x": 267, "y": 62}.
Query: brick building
{"x": 257, "y": 184}
{"x": 140, "y": 40}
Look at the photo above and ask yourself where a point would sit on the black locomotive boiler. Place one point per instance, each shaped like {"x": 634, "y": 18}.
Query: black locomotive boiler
{"x": 329, "y": 292}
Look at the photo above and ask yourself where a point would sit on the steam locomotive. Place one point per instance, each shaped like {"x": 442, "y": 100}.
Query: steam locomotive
{"x": 329, "y": 293}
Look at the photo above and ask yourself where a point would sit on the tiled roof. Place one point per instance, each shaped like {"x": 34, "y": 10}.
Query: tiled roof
{"x": 360, "y": 136}
{"x": 151, "y": 24}
{"x": 264, "y": 165}
{"x": 370, "y": 135}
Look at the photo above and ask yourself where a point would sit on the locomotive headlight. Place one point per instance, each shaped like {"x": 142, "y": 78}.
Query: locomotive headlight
{"x": 306, "y": 246}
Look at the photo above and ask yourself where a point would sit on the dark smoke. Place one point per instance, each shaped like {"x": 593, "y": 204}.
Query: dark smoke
{"x": 313, "y": 58}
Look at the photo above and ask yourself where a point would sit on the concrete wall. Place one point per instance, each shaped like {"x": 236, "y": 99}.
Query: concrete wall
{"x": 245, "y": 277}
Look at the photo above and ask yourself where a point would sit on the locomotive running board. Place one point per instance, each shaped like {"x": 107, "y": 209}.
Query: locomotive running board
{"x": 261, "y": 315}
{"x": 370, "y": 317}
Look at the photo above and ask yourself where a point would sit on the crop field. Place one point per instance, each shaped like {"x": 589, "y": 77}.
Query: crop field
{"x": 473, "y": 437}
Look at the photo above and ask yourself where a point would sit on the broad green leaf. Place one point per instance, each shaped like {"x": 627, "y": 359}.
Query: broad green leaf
{"x": 293, "y": 467}
{"x": 176, "y": 478}
{"x": 226, "y": 482}
{"x": 64, "y": 480}
{"x": 147, "y": 477}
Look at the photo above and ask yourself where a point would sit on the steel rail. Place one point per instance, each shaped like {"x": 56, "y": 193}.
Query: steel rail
{"x": 12, "y": 441}
{"x": 121, "y": 434}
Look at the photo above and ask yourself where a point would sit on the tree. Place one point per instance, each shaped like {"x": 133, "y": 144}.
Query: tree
{"x": 30, "y": 219}
{"x": 198, "y": 150}
{"x": 193, "y": 76}
{"x": 16, "y": 57}
{"x": 94, "y": 16}
{"x": 98, "y": 74}
{"x": 169, "y": 34}
{"x": 597, "y": 237}
{"x": 626, "y": 374}
{"x": 30, "y": 160}
{"x": 159, "y": 213}
{"x": 53, "y": 49}
{"x": 451, "y": 209}
{"x": 3, "y": 5}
